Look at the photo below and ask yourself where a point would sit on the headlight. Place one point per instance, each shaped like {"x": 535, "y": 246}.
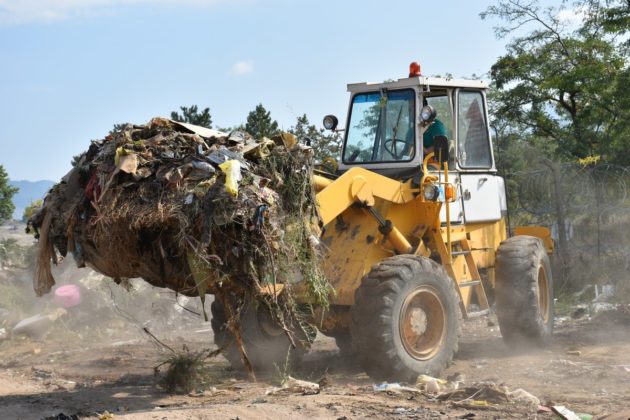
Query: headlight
{"x": 427, "y": 113}
{"x": 431, "y": 192}
{"x": 330, "y": 122}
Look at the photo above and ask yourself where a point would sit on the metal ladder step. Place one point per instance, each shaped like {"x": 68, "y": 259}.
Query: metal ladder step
{"x": 469, "y": 283}
{"x": 458, "y": 253}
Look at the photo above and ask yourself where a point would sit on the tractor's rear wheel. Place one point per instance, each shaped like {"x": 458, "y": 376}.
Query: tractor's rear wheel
{"x": 406, "y": 319}
{"x": 524, "y": 291}
{"x": 266, "y": 344}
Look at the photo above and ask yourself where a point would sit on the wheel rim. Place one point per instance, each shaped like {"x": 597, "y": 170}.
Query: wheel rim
{"x": 543, "y": 294}
{"x": 422, "y": 323}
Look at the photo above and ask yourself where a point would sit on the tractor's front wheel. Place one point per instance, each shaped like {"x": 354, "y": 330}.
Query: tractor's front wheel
{"x": 266, "y": 344}
{"x": 406, "y": 319}
{"x": 524, "y": 291}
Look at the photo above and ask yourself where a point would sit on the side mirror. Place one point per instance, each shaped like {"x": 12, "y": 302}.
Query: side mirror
{"x": 330, "y": 122}
{"x": 441, "y": 149}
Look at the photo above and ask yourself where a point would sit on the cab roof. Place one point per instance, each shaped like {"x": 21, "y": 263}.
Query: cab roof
{"x": 409, "y": 82}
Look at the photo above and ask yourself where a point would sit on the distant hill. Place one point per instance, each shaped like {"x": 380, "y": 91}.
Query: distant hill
{"x": 29, "y": 192}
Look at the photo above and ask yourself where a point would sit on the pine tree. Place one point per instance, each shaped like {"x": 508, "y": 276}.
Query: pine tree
{"x": 259, "y": 123}
{"x": 192, "y": 115}
{"x": 325, "y": 146}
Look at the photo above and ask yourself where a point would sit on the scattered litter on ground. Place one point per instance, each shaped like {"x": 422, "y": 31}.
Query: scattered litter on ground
{"x": 38, "y": 325}
{"x": 384, "y": 387}
{"x": 488, "y": 392}
{"x": 599, "y": 307}
{"x": 433, "y": 387}
{"x": 523, "y": 396}
{"x": 611, "y": 314}
{"x": 394, "y": 387}
{"x": 424, "y": 379}
{"x": 106, "y": 415}
{"x": 605, "y": 294}
{"x": 295, "y": 386}
{"x": 565, "y": 413}
{"x": 430, "y": 384}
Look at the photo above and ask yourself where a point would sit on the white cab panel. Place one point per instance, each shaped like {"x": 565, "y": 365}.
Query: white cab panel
{"x": 483, "y": 196}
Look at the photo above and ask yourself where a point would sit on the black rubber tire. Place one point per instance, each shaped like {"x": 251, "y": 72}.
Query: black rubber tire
{"x": 519, "y": 262}
{"x": 344, "y": 343}
{"x": 268, "y": 353}
{"x": 376, "y": 318}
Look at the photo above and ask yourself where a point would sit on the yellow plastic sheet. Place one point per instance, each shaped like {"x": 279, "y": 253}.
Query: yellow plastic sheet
{"x": 232, "y": 171}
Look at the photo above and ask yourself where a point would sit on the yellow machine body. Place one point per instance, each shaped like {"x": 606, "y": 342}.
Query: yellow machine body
{"x": 368, "y": 216}
{"x": 353, "y": 242}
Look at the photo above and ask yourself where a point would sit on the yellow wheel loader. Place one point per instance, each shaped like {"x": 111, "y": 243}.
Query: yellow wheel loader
{"x": 414, "y": 236}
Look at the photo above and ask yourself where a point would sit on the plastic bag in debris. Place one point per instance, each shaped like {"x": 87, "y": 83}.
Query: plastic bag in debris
{"x": 430, "y": 384}
{"x": 384, "y": 387}
{"x": 232, "y": 171}
{"x": 488, "y": 392}
{"x": 523, "y": 396}
{"x": 567, "y": 414}
{"x": 295, "y": 386}
{"x": 393, "y": 387}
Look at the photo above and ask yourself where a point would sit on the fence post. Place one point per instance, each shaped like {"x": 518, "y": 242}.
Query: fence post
{"x": 559, "y": 203}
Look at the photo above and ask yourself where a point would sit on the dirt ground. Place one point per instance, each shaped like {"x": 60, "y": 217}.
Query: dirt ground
{"x": 65, "y": 374}
{"x": 96, "y": 359}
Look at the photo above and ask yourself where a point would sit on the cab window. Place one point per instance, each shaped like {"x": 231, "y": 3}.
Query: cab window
{"x": 381, "y": 127}
{"x": 472, "y": 132}
{"x": 439, "y": 101}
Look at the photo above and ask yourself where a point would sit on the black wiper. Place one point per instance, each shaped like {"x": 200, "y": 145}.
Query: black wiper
{"x": 382, "y": 116}
{"x": 395, "y": 129}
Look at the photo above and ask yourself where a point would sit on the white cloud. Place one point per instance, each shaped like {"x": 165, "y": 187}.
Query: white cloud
{"x": 243, "y": 67}
{"x": 13, "y": 12}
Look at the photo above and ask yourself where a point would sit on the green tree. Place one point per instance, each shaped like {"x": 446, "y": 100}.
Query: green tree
{"x": 32, "y": 209}
{"x": 565, "y": 84}
{"x": 228, "y": 129}
{"x": 324, "y": 145}
{"x": 192, "y": 115}
{"x": 259, "y": 123}
{"x": 6, "y": 197}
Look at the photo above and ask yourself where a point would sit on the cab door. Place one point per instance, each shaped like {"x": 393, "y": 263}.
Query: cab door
{"x": 482, "y": 191}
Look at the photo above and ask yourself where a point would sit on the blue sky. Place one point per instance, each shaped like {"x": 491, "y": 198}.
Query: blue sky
{"x": 70, "y": 69}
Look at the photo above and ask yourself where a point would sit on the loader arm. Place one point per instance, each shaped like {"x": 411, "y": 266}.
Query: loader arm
{"x": 357, "y": 185}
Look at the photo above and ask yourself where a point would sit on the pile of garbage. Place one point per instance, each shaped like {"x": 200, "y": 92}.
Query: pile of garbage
{"x": 187, "y": 208}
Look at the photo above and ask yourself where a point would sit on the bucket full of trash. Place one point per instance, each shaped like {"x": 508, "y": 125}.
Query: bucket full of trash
{"x": 183, "y": 207}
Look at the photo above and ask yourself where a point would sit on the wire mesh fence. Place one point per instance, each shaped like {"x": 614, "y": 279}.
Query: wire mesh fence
{"x": 587, "y": 209}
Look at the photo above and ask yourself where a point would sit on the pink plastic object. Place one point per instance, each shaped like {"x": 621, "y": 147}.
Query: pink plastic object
{"x": 68, "y": 296}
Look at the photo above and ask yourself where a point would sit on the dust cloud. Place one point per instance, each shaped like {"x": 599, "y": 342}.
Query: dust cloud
{"x": 86, "y": 308}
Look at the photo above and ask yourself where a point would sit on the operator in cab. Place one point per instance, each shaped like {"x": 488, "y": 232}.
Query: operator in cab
{"x": 436, "y": 128}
